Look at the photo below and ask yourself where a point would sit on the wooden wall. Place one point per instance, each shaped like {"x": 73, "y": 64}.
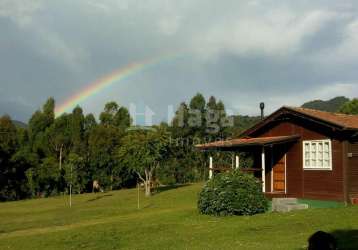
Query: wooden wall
{"x": 352, "y": 171}
{"x": 312, "y": 184}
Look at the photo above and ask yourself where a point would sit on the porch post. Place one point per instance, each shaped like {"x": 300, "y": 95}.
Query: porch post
{"x": 263, "y": 169}
{"x": 210, "y": 167}
{"x": 237, "y": 161}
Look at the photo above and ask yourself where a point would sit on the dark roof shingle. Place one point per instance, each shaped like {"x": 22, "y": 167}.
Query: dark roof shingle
{"x": 343, "y": 120}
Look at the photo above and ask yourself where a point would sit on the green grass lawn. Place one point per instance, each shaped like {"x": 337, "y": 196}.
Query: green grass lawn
{"x": 168, "y": 220}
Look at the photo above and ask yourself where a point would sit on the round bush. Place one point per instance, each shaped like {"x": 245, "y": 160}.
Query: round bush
{"x": 233, "y": 193}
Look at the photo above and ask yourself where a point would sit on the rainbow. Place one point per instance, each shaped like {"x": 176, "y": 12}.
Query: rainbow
{"x": 116, "y": 76}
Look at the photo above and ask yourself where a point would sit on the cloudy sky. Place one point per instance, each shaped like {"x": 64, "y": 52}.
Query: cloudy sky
{"x": 243, "y": 52}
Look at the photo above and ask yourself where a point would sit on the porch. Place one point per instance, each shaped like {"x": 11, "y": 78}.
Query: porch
{"x": 269, "y": 160}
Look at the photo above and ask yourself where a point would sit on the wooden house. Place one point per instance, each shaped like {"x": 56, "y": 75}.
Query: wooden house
{"x": 301, "y": 153}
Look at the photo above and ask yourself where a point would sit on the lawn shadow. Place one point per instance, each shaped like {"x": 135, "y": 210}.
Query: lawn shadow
{"x": 169, "y": 187}
{"x": 346, "y": 239}
{"x": 99, "y": 197}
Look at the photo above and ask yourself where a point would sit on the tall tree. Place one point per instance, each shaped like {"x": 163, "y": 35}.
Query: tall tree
{"x": 102, "y": 144}
{"x": 8, "y": 146}
{"x": 144, "y": 151}
{"x": 107, "y": 116}
{"x": 77, "y": 124}
{"x": 39, "y": 122}
{"x": 122, "y": 118}
{"x": 197, "y": 119}
{"x": 58, "y": 137}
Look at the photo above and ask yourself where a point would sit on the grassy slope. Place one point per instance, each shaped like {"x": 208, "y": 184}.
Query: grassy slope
{"x": 168, "y": 220}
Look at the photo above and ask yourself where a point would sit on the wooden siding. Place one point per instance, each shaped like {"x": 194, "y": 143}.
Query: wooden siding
{"x": 352, "y": 170}
{"x": 312, "y": 184}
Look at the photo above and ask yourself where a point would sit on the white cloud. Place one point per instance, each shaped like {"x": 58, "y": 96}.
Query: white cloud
{"x": 53, "y": 46}
{"x": 276, "y": 33}
{"x": 20, "y": 11}
{"x": 169, "y": 25}
{"x": 281, "y": 46}
{"x": 348, "y": 49}
{"x": 249, "y": 104}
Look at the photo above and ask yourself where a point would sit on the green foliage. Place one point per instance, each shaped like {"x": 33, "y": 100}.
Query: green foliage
{"x": 241, "y": 123}
{"x": 198, "y": 122}
{"x": 143, "y": 151}
{"x": 13, "y": 162}
{"x": 350, "y": 107}
{"x": 115, "y": 116}
{"x": 232, "y": 193}
{"x": 103, "y": 143}
{"x": 49, "y": 177}
{"x": 75, "y": 174}
{"x": 332, "y": 105}
{"x": 144, "y": 148}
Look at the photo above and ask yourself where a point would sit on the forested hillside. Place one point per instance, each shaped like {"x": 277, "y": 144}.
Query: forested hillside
{"x": 332, "y": 105}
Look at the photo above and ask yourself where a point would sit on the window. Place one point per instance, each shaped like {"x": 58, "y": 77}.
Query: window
{"x": 317, "y": 154}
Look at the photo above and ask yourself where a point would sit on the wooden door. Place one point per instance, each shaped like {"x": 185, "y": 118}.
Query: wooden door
{"x": 279, "y": 175}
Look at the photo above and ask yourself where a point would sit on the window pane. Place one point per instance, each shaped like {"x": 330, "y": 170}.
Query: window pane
{"x": 313, "y": 148}
{"x": 320, "y": 155}
{"x": 320, "y": 146}
{"x": 314, "y": 164}
{"x": 326, "y": 163}
{"x": 307, "y": 155}
{"x": 326, "y": 146}
{"x": 319, "y": 163}
{"x": 314, "y": 155}
{"x": 307, "y": 163}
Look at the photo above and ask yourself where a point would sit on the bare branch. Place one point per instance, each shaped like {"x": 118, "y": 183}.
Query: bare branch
{"x": 140, "y": 176}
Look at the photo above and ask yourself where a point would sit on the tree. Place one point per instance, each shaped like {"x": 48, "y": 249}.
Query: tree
{"x": 350, "y": 107}
{"x": 76, "y": 126}
{"x": 102, "y": 144}
{"x": 122, "y": 118}
{"x": 58, "y": 137}
{"x": 180, "y": 121}
{"x": 197, "y": 121}
{"x": 107, "y": 116}
{"x": 143, "y": 151}
{"x": 75, "y": 173}
{"x": 114, "y": 115}
{"x": 89, "y": 122}
{"x": 8, "y": 146}
{"x": 39, "y": 122}
{"x": 49, "y": 111}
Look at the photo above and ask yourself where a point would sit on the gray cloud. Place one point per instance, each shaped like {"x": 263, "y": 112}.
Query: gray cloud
{"x": 244, "y": 52}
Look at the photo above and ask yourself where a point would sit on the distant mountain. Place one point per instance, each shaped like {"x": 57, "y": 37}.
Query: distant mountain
{"x": 332, "y": 105}
{"x": 242, "y": 123}
{"x": 19, "y": 124}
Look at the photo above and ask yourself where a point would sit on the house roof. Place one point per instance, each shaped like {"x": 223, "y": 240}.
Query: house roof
{"x": 246, "y": 142}
{"x": 343, "y": 120}
{"x": 340, "y": 121}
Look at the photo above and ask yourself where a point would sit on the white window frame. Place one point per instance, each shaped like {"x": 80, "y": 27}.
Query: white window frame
{"x": 310, "y": 167}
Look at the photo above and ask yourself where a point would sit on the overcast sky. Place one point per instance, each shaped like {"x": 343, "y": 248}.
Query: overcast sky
{"x": 243, "y": 52}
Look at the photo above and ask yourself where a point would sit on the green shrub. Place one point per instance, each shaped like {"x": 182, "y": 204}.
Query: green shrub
{"x": 234, "y": 193}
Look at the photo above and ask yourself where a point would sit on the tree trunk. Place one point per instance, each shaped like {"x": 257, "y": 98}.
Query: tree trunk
{"x": 61, "y": 157}
{"x": 148, "y": 181}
